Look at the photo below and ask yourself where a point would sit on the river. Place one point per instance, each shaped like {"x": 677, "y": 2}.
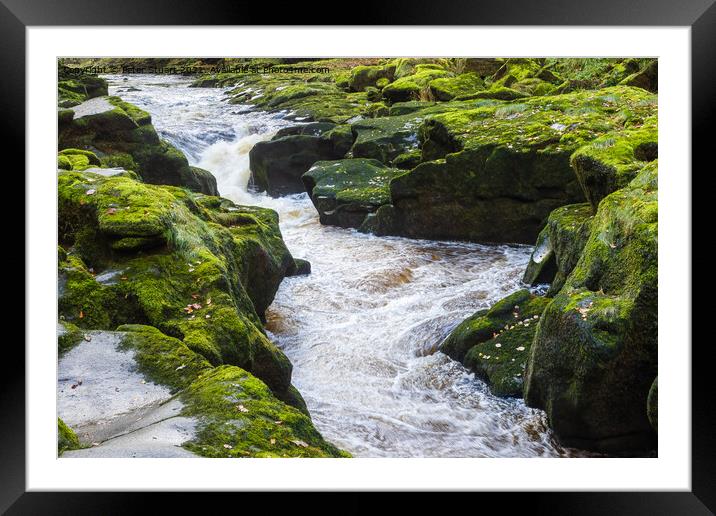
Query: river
{"x": 362, "y": 329}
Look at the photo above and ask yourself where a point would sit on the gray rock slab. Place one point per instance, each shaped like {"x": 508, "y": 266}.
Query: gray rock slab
{"x": 93, "y": 106}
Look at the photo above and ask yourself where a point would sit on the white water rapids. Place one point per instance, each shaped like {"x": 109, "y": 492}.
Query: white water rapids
{"x": 362, "y": 329}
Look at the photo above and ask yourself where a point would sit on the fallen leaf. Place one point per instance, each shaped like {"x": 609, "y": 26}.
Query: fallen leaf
{"x": 228, "y": 446}
{"x": 298, "y": 442}
{"x": 82, "y": 314}
{"x": 241, "y": 408}
{"x": 273, "y": 441}
{"x": 88, "y": 337}
{"x": 180, "y": 367}
{"x": 90, "y": 192}
{"x": 111, "y": 211}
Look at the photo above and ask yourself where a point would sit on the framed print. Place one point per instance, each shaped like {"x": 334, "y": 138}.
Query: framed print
{"x": 392, "y": 256}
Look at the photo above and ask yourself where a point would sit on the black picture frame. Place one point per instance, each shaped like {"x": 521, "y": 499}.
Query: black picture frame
{"x": 700, "y": 15}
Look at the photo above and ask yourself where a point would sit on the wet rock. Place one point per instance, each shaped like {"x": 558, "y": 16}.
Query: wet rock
{"x": 559, "y": 246}
{"x": 277, "y": 165}
{"x": 345, "y": 191}
{"x": 303, "y": 267}
{"x": 495, "y": 343}
{"x": 598, "y": 336}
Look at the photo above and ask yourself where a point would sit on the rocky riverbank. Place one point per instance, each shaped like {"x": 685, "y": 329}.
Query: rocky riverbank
{"x": 173, "y": 282}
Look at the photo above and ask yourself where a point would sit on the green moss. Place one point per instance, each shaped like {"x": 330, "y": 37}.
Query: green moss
{"x": 69, "y": 335}
{"x": 74, "y": 89}
{"x": 505, "y": 162}
{"x": 362, "y": 77}
{"x": 409, "y": 87}
{"x": 613, "y": 160}
{"x": 239, "y": 417}
{"x": 559, "y": 246}
{"x": 599, "y": 334}
{"x": 345, "y": 191}
{"x": 495, "y": 343}
{"x": 139, "y": 116}
{"x": 448, "y": 88}
{"x": 211, "y": 271}
{"x": 124, "y": 137}
{"x": 66, "y": 438}
{"x": 163, "y": 359}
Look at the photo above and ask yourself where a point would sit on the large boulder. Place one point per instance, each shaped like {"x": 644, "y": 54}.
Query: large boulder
{"x": 594, "y": 356}
{"x": 495, "y": 343}
{"x": 122, "y": 134}
{"x": 495, "y": 173}
{"x": 277, "y": 165}
{"x": 198, "y": 268}
{"x": 345, "y": 191}
{"x": 559, "y": 246}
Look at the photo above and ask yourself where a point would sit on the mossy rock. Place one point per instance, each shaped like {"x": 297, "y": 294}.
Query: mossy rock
{"x": 315, "y": 97}
{"x": 68, "y": 336}
{"x": 448, "y": 88}
{"x": 66, "y": 438}
{"x": 495, "y": 343}
{"x": 73, "y": 89}
{"x": 410, "y": 87}
{"x": 345, "y": 191}
{"x": 494, "y": 173}
{"x": 647, "y": 77}
{"x": 277, "y": 165}
{"x": 363, "y": 77}
{"x": 118, "y": 129}
{"x": 385, "y": 138}
{"x": 559, "y": 246}
{"x": 495, "y": 92}
{"x": 239, "y": 417}
{"x": 598, "y": 336}
{"x": 302, "y": 268}
{"x": 212, "y": 269}
{"x": 77, "y": 159}
{"x": 162, "y": 359}
{"x": 613, "y": 160}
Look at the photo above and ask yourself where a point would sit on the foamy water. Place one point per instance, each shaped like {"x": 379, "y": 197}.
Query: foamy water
{"x": 363, "y": 329}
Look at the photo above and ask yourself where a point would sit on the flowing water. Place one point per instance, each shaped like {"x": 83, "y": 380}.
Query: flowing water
{"x": 363, "y": 328}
